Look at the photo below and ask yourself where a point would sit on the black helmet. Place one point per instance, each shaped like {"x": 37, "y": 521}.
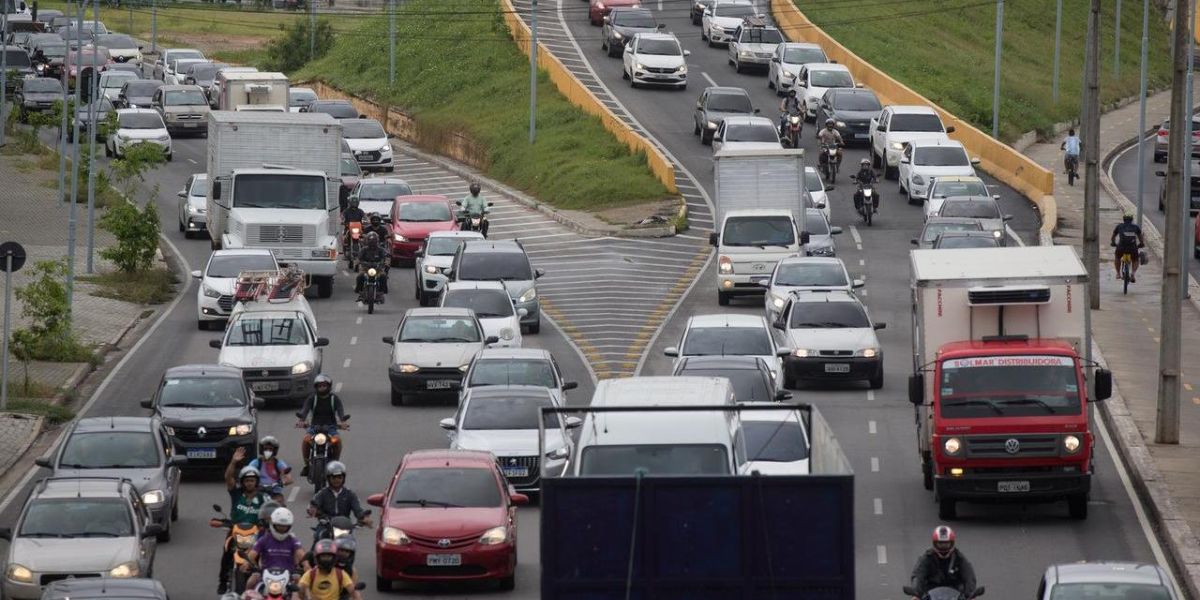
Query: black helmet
{"x": 347, "y": 544}
{"x": 792, "y": 93}
{"x": 353, "y": 202}
{"x": 475, "y": 187}
{"x": 323, "y": 381}
{"x": 375, "y": 218}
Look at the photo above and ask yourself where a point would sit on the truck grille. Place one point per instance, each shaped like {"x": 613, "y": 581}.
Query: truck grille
{"x": 192, "y": 434}
{"x": 282, "y": 234}
{"x": 999, "y": 446}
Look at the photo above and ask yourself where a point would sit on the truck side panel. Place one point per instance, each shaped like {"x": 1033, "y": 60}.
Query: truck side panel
{"x": 769, "y": 180}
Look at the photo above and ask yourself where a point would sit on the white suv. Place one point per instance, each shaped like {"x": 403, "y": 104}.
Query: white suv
{"x": 214, "y": 296}
{"x": 898, "y": 125}
{"x": 753, "y": 44}
{"x": 656, "y": 59}
{"x": 924, "y": 160}
{"x": 721, "y": 20}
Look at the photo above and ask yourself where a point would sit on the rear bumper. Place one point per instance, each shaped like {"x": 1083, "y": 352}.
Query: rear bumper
{"x": 1043, "y": 487}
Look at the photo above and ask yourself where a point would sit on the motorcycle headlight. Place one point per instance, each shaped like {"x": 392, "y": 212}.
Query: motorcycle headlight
{"x": 301, "y": 368}
{"x": 1071, "y": 444}
{"x": 868, "y": 192}
{"x": 18, "y": 573}
{"x": 211, "y": 293}
{"x": 320, "y": 439}
{"x": 801, "y": 352}
{"x": 528, "y": 296}
{"x": 154, "y": 497}
{"x": 506, "y": 334}
{"x": 869, "y": 352}
{"x": 243, "y": 429}
{"x": 408, "y": 368}
{"x": 399, "y": 238}
{"x": 795, "y": 119}
{"x": 371, "y": 272}
{"x": 395, "y": 537}
{"x": 432, "y": 270}
{"x": 897, "y": 146}
{"x": 493, "y": 536}
{"x": 125, "y": 570}
{"x": 952, "y": 446}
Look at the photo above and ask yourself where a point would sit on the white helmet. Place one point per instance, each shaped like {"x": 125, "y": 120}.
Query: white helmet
{"x": 281, "y": 523}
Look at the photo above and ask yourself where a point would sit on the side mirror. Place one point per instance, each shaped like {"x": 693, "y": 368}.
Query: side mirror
{"x": 375, "y": 500}
{"x": 447, "y": 424}
{"x": 152, "y": 530}
{"x": 216, "y": 190}
{"x": 418, "y": 253}
{"x": 915, "y": 242}
{"x": 780, "y": 396}
{"x": 764, "y": 284}
{"x": 321, "y": 342}
{"x": 608, "y": 18}
{"x": 950, "y": 129}
{"x": 491, "y": 339}
{"x": 782, "y": 352}
{"x": 779, "y": 324}
{"x": 828, "y": 188}
{"x": 714, "y": 239}
{"x": 148, "y": 404}
{"x": 857, "y": 283}
{"x": 774, "y": 59}
{"x": 916, "y": 388}
{"x": 879, "y": 326}
{"x": 858, "y": 85}
{"x": 519, "y": 499}
{"x": 217, "y": 507}
{"x": 448, "y": 272}
{"x": 805, "y": 238}
{"x": 389, "y": 340}
{"x": 181, "y": 193}
{"x": 687, "y": 52}
{"x": 537, "y": 273}
{"x": 904, "y": 160}
{"x": 1008, "y": 217}
{"x": 835, "y": 230}
{"x": 257, "y": 402}
{"x": 214, "y": 344}
{"x": 671, "y": 351}
{"x": 572, "y": 422}
{"x": 1103, "y": 385}
{"x": 177, "y": 461}
{"x": 197, "y": 275}
{"x": 880, "y": 128}
{"x": 44, "y": 462}
{"x": 663, "y": 26}
{"x": 569, "y": 385}
{"x": 521, "y": 312}
{"x": 908, "y": 591}
{"x": 756, "y": 111}
{"x": 995, "y": 196}
{"x": 975, "y": 161}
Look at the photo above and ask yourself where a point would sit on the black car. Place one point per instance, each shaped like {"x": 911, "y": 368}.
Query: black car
{"x": 107, "y": 588}
{"x": 133, "y": 448}
{"x": 338, "y": 109}
{"x": 714, "y": 105}
{"x": 622, "y": 23}
{"x": 83, "y": 117}
{"x": 852, "y": 110}
{"x": 208, "y": 412}
{"x": 137, "y": 93}
{"x": 36, "y": 95}
{"x": 19, "y": 65}
{"x": 750, "y": 375}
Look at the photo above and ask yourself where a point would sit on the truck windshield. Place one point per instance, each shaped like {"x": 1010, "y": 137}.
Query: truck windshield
{"x": 691, "y": 459}
{"x": 759, "y": 231}
{"x": 279, "y": 191}
{"x": 277, "y": 331}
{"x": 1009, "y": 386}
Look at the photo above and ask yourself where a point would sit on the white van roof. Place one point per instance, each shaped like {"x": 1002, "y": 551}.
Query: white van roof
{"x": 659, "y": 391}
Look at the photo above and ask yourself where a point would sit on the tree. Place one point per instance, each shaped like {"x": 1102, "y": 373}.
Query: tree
{"x": 137, "y": 235}
{"x": 49, "y": 336}
{"x": 289, "y": 52}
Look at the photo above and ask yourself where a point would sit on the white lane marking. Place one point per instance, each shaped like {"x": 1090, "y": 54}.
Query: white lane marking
{"x": 854, "y": 234}
{"x": 870, "y": 394}
{"x": 291, "y": 497}
{"x": 879, "y": 510}
{"x": 660, "y": 5}
{"x": 346, "y": 364}
{"x": 358, "y": 321}
{"x": 337, "y": 388}
{"x": 862, "y": 262}
{"x": 708, "y": 79}
{"x": 193, "y": 161}
{"x": 871, "y": 427}
{"x": 353, "y": 340}
{"x": 881, "y": 554}
{"x": 874, "y": 464}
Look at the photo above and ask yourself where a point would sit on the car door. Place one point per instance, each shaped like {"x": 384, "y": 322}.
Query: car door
{"x": 141, "y": 518}
{"x": 173, "y": 471}
{"x": 734, "y": 44}
{"x": 183, "y": 198}
{"x": 700, "y": 115}
{"x": 318, "y": 354}
{"x": 878, "y": 132}
{"x": 156, "y": 102}
{"x": 627, "y": 56}
{"x": 906, "y": 166}
{"x": 824, "y": 108}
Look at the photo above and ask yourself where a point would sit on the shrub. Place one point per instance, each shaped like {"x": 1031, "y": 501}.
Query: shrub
{"x": 137, "y": 236}
{"x": 290, "y": 51}
{"x": 49, "y": 337}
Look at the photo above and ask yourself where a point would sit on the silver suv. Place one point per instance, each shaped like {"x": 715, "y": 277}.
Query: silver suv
{"x": 504, "y": 261}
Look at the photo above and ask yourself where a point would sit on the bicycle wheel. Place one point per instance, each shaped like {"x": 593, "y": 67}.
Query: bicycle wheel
{"x": 1071, "y": 177}
{"x": 1125, "y": 274}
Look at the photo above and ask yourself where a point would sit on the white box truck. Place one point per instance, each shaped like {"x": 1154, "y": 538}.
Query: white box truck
{"x": 241, "y": 90}
{"x": 273, "y": 183}
{"x": 999, "y": 385}
{"x": 760, "y": 200}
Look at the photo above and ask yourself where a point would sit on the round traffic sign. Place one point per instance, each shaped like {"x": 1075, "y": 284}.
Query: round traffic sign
{"x": 14, "y": 251}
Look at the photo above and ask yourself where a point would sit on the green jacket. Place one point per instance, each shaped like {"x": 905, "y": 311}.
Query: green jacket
{"x": 474, "y": 205}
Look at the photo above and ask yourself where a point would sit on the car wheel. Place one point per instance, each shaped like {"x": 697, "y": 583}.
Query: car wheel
{"x": 770, "y": 82}
{"x": 170, "y": 155}
{"x": 632, "y": 82}
{"x": 397, "y": 398}
{"x": 324, "y": 287}
{"x": 183, "y": 229}
{"x": 508, "y": 583}
{"x": 536, "y": 327}
{"x": 175, "y": 510}
{"x": 383, "y": 584}
{"x": 108, "y": 151}
{"x": 706, "y": 138}
{"x": 737, "y": 66}
{"x": 202, "y": 325}
{"x": 875, "y": 161}
{"x": 1077, "y": 506}
{"x": 723, "y": 298}
{"x": 624, "y": 74}
{"x": 165, "y": 536}
{"x": 789, "y": 382}
{"x": 877, "y": 381}
{"x": 890, "y": 172}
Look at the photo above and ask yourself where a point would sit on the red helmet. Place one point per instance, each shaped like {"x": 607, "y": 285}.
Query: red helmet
{"x": 943, "y": 541}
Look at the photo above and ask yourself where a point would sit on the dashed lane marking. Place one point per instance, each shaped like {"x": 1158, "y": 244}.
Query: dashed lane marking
{"x": 871, "y": 427}
{"x": 881, "y": 554}
{"x": 708, "y": 79}
{"x": 353, "y": 340}
{"x": 346, "y": 364}
{"x": 878, "y": 507}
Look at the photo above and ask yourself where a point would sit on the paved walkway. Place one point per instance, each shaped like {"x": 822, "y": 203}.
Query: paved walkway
{"x": 1126, "y": 329}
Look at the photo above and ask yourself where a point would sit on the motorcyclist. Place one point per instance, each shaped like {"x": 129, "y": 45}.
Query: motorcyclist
{"x": 377, "y": 227}
{"x": 865, "y": 177}
{"x": 352, "y": 214}
{"x": 371, "y": 255}
{"x": 337, "y": 500}
{"x": 791, "y": 105}
{"x": 245, "y": 501}
{"x": 1127, "y": 237}
{"x": 829, "y": 136}
{"x": 346, "y": 549}
{"x": 279, "y": 550}
{"x": 943, "y": 566}
{"x": 474, "y": 205}
{"x": 273, "y": 472}
{"x": 327, "y": 581}
{"x": 38, "y": 56}
{"x": 327, "y": 416}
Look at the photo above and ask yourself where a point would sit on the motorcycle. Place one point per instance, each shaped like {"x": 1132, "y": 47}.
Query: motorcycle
{"x": 241, "y": 538}
{"x": 470, "y": 222}
{"x": 352, "y": 241}
{"x": 370, "y": 292}
{"x": 325, "y": 447}
{"x": 274, "y": 584}
{"x": 866, "y": 200}
{"x": 830, "y": 160}
{"x": 944, "y": 593}
{"x": 791, "y": 130}
{"x": 335, "y": 528}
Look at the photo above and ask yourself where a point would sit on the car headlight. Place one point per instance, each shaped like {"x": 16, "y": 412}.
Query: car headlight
{"x": 211, "y": 293}
{"x": 493, "y": 536}
{"x": 386, "y": 149}
{"x": 897, "y": 146}
{"x": 681, "y": 69}
{"x": 463, "y": 368}
{"x": 745, "y": 54}
{"x": 724, "y": 265}
{"x": 243, "y": 429}
{"x": 432, "y": 270}
{"x": 399, "y": 238}
{"x": 952, "y": 446}
{"x": 802, "y": 352}
{"x": 154, "y": 497}
{"x": 301, "y": 368}
{"x": 840, "y": 124}
{"x": 395, "y": 537}
{"x": 408, "y": 368}
{"x": 777, "y": 301}
{"x": 528, "y": 296}
{"x": 192, "y": 210}
{"x": 164, "y": 138}
{"x": 789, "y": 75}
{"x": 506, "y": 333}
{"x": 125, "y": 570}
{"x": 170, "y": 430}
{"x": 869, "y": 352}
{"x": 711, "y": 125}
{"x": 997, "y": 234}
{"x": 18, "y": 574}
{"x": 639, "y": 67}
{"x": 617, "y": 35}
{"x": 1071, "y": 444}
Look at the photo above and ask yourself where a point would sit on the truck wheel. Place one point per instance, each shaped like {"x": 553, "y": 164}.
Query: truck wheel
{"x": 789, "y": 382}
{"x": 1077, "y": 506}
{"x": 723, "y": 298}
{"x": 926, "y": 473}
{"x": 324, "y": 286}
{"x": 947, "y": 511}
{"x": 535, "y": 328}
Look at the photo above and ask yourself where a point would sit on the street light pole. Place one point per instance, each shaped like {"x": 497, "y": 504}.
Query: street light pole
{"x": 1091, "y": 151}
{"x": 93, "y": 104}
{"x": 533, "y": 50}
{"x": 996, "y": 81}
{"x": 391, "y": 42}
{"x": 1057, "y": 46}
{"x": 3, "y": 86}
{"x": 1141, "y": 159}
{"x": 1117, "y": 43}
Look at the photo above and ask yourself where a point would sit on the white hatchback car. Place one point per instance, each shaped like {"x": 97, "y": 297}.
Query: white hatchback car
{"x": 729, "y": 334}
{"x": 136, "y": 126}
{"x": 924, "y": 160}
{"x": 776, "y": 440}
{"x": 434, "y": 258}
{"x": 953, "y": 187}
{"x": 214, "y": 296}
{"x": 746, "y": 133}
{"x": 655, "y": 59}
{"x": 193, "y": 201}
{"x": 805, "y": 273}
{"x": 492, "y": 305}
{"x": 785, "y": 65}
{"x": 721, "y": 20}
{"x": 814, "y": 79}
{"x": 817, "y": 191}
{"x": 370, "y": 144}
{"x": 111, "y": 82}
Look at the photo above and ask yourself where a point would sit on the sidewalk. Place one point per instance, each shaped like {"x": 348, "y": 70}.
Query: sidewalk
{"x": 1126, "y": 332}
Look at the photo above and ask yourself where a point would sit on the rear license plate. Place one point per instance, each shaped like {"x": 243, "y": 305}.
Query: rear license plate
{"x": 837, "y": 368}
{"x": 1012, "y": 486}
{"x": 439, "y": 384}
{"x": 443, "y": 560}
{"x": 202, "y": 453}
{"x": 861, "y": 136}
{"x": 264, "y": 386}
{"x": 515, "y": 471}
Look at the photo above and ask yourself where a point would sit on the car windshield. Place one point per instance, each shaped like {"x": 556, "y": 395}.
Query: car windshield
{"x": 493, "y": 266}
{"x": 337, "y": 110}
{"x": 733, "y": 10}
{"x": 812, "y": 181}
{"x": 17, "y": 58}
{"x": 971, "y": 209}
{"x": 727, "y": 341}
{"x": 267, "y": 331}
{"x": 759, "y": 35}
{"x": 1008, "y": 386}
{"x": 77, "y": 517}
{"x": 205, "y": 392}
{"x": 232, "y": 264}
{"x": 139, "y": 120}
{"x": 946, "y": 189}
{"x": 301, "y": 97}
{"x": 439, "y": 330}
{"x": 115, "y": 79}
{"x": 96, "y": 26}
{"x": 185, "y": 98}
{"x": 775, "y": 441}
{"x": 828, "y": 315}
{"x": 427, "y": 212}
{"x": 655, "y": 459}
{"x": 362, "y": 129}
{"x": 801, "y": 274}
{"x": 848, "y": 101}
{"x": 966, "y": 241}
{"x": 749, "y": 385}
{"x": 659, "y": 47}
{"x": 751, "y": 132}
{"x": 199, "y": 187}
{"x": 815, "y": 223}
{"x": 730, "y": 103}
{"x": 279, "y": 191}
{"x": 86, "y": 57}
{"x": 801, "y": 55}
{"x": 54, "y": 50}
{"x": 442, "y": 246}
{"x": 933, "y": 230}
{"x": 519, "y": 412}
{"x": 142, "y": 88}
{"x": 179, "y": 55}
{"x": 101, "y": 106}
{"x": 830, "y": 79}
{"x": 758, "y": 231}
{"x": 641, "y": 19}
{"x": 487, "y": 304}
{"x": 117, "y": 42}
{"x": 941, "y": 157}
{"x": 1109, "y": 591}
{"x": 512, "y": 372}
{"x": 110, "y": 450}
{"x": 383, "y": 191}
{"x": 205, "y": 72}
{"x": 446, "y": 487}
{"x": 915, "y": 122}
{"x": 42, "y": 85}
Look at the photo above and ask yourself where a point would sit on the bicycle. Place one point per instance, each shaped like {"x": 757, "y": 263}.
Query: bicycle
{"x": 1072, "y": 168}
{"x": 1126, "y": 270}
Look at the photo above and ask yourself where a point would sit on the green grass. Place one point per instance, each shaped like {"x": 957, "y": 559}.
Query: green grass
{"x": 943, "y": 49}
{"x": 464, "y": 74}
{"x": 53, "y": 413}
{"x": 248, "y": 56}
{"x": 153, "y": 286}
{"x": 17, "y": 387}
{"x": 188, "y": 19}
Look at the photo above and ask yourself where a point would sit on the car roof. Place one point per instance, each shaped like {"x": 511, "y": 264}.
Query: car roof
{"x": 420, "y": 197}
{"x": 802, "y": 45}
{"x": 439, "y": 312}
{"x": 953, "y": 178}
{"x": 432, "y": 459}
{"x": 655, "y": 36}
{"x": 630, "y": 9}
{"x": 474, "y": 235}
{"x": 107, "y": 587}
{"x": 727, "y": 320}
{"x": 378, "y": 180}
{"x": 726, "y": 2}
{"x": 476, "y": 285}
{"x": 136, "y": 111}
{"x": 931, "y": 142}
{"x": 832, "y": 92}
{"x": 726, "y": 89}
{"x": 91, "y": 424}
{"x": 509, "y": 391}
{"x": 826, "y": 67}
{"x": 239, "y": 251}
{"x": 769, "y": 416}
{"x": 739, "y": 363}
{"x": 748, "y": 120}
{"x": 486, "y": 245}
{"x": 331, "y": 101}
{"x": 978, "y": 234}
{"x": 202, "y": 370}
{"x": 662, "y": 391}
{"x": 809, "y": 260}
{"x": 169, "y": 50}
{"x": 937, "y": 219}
{"x": 825, "y": 296}
{"x": 912, "y": 109}
{"x": 1108, "y": 572}
{"x": 175, "y": 88}
{"x": 513, "y": 353}
{"x": 80, "y": 487}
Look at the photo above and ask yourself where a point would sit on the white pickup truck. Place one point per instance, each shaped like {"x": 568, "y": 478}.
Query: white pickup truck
{"x": 898, "y": 125}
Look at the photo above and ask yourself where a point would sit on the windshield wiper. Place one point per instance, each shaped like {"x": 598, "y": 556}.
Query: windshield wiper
{"x": 107, "y": 534}
{"x": 43, "y": 534}
{"x": 188, "y": 404}
{"x": 424, "y": 502}
{"x": 416, "y": 340}
{"x": 458, "y": 339}
{"x": 978, "y": 402}
{"x": 1040, "y": 403}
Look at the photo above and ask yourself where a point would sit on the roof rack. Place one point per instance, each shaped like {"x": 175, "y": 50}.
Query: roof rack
{"x": 755, "y": 21}
{"x": 270, "y": 286}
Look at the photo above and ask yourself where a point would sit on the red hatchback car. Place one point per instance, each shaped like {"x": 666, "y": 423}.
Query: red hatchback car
{"x": 448, "y": 515}
{"x": 600, "y": 8}
{"x": 413, "y": 218}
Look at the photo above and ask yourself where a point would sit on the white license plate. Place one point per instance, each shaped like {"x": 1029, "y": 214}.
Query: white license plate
{"x": 264, "y": 386}
{"x": 861, "y": 136}
{"x": 439, "y": 384}
{"x": 443, "y": 560}
{"x": 758, "y": 278}
{"x": 515, "y": 471}
{"x": 1012, "y": 486}
{"x": 202, "y": 453}
{"x": 837, "y": 368}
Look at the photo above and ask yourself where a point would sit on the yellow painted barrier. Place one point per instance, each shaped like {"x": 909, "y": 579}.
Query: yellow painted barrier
{"x": 582, "y": 97}
{"x": 1000, "y": 160}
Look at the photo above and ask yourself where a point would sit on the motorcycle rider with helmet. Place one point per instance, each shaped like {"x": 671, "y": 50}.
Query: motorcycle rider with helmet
{"x": 352, "y": 214}
{"x": 279, "y": 550}
{"x": 346, "y": 549}
{"x": 273, "y": 472}
{"x": 372, "y": 255}
{"x": 943, "y": 565}
{"x": 246, "y": 499}
{"x": 327, "y": 581}
{"x": 327, "y": 417}
{"x": 337, "y": 500}
{"x": 865, "y": 177}
{"x": 380, "y": 230}
{"x": 474, "y": 205}
{"x": 791, "y": 105}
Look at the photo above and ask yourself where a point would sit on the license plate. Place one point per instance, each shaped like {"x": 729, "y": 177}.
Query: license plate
{"x": 861, "y": 136}
{"x": 264, "y": 386}
{"x": 1012, "y": 486}
{"x": 439, "y": 384}
{"x": 360, "y": 154}
{"x": 515, "y": 471}
{"x": 758, "y": 278}
{"x": 837, "y": 368}
{"x": 443, "y": 560}
{"x": 202, "y": 453}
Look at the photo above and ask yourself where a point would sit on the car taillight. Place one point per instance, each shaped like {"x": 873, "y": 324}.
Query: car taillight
{"x": 1162, "y": 133}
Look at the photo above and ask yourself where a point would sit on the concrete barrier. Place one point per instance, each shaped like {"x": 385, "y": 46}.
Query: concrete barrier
{"x": 998, "y": 159}
{"x": 580, "y": 96}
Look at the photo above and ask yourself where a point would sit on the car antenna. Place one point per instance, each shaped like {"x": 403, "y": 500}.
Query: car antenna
{"x": 112, "y": 422}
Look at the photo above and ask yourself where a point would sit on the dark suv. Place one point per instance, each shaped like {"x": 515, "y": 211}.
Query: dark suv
{"x": 504, "y": 261}
{"x": 36, "y": 95}
{"x": 714, "y": 105}
{"x": 207, "y": 412}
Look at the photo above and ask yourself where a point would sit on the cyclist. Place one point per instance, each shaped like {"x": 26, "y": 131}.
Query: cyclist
{"x": 1071, "y": 146}
{"x": 1127, "y": 237}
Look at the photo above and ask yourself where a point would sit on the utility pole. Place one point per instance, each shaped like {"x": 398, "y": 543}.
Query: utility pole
{"x": 3, "y": 86}
{"x": 1166, "y": 429}
{"x": 392, "y": 42}
{"x": 1117, "y": 43}
{"x": 996, "y": 81}
{"x": 153, "y": 26}
{"x": 1057, "y": 46}
{"x": 74, "y": 165}
{"x": 533, "y": 50}
{"x": 1142, "y": 109}
{"x": 1091, "y": 156}
{"x": 62, "y": 135}
{"x": 312, "y": 29}
{"x": 93, "y": 104}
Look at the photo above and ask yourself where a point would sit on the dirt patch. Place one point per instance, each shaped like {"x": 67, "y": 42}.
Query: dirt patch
{"x": 667, "y": 209}
{"x": 212, "y": 42}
